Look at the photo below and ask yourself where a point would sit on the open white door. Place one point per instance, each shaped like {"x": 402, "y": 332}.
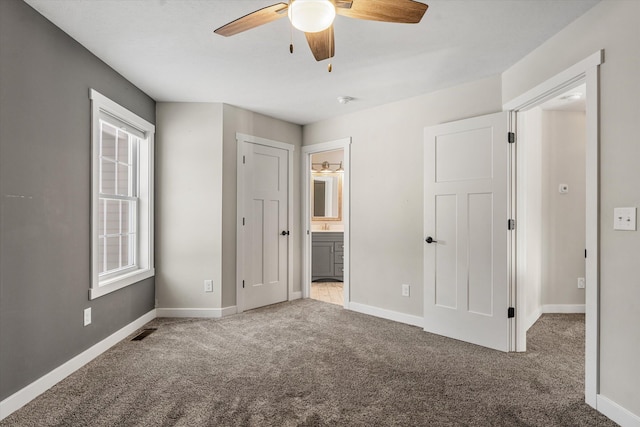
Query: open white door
{"x": 466, "y": 218}
{"x": 265, "y": 229}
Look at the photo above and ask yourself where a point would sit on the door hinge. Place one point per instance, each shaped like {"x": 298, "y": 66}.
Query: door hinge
{"x": 511, "y": 224}
{"x": 511, "y": 312}
{"x": 511, "y": 137}
{"x": 243, "y": 284}
{"x": 244, "y": 159}
{"x": 585, "y": 253}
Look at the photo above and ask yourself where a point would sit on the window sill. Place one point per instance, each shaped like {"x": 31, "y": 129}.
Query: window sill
{"x": 120, "y": 282}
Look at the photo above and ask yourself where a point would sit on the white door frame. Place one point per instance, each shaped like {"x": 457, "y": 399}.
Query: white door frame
{"x": 307, "y": 151}
{"x": 587, "y": 72}
{"x": 241, "y": 139}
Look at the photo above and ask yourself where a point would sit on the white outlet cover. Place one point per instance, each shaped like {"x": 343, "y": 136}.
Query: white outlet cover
{"x": 406, "y": 290}
{"x": 624, "y": 219}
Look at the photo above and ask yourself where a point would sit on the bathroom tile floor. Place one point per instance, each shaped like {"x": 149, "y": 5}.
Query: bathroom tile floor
{"x": 328, "y": 292}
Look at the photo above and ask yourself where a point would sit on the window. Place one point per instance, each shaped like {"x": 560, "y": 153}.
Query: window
{"x": 122, "y": 197}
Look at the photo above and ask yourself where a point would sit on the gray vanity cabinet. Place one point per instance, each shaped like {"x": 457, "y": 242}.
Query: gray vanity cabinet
{"x": 327, "y": 256}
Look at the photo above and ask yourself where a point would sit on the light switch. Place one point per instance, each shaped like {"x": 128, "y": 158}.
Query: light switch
{"x": 624, "y": 219}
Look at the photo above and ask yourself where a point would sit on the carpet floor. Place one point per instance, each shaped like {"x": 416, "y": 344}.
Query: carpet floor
{"x": 309, "y": 363}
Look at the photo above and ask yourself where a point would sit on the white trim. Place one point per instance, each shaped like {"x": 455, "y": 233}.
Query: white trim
{"x": 532, "y": 318}
{"x": 121, "y": 282}
{"x": 289, "y": 148}
{"x": 100, "y": 106}
{"x": 564, "y": 80}
{"x": 111, "y": 107}
{"x": 264, "y": 141}
{"x": 592, "y": 240}
{"x": 617, "y": 413}
{"x": 396, "y": 316}
{"x": 563, "y": 308}
{"x": 295, "y": 295}
{"x": 25, "y": 395}
{"x": 204, "y": 313}
{"x": 586, "y": 71}
{"x": 307, "y": 151}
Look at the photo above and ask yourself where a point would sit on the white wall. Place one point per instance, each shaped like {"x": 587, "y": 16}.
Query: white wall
{"x": 237, "y": 120}
{"x": 563, "y": 215}
{"x": 188, "y": 204}
{"x": 612, "y": 25}
{"x": 387, "y": 187}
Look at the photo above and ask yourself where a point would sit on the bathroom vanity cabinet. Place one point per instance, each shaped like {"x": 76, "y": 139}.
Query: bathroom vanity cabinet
{"x": 327, "y": 256}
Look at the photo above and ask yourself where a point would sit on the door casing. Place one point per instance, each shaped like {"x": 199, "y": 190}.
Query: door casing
{"x": 584, "y": 72}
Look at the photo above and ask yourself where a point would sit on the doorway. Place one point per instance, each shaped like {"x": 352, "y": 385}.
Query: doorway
{"x": 551, "y": 209}
{"x": 264, "y": 216}
{"x": 585, "y": 72}
{"x": 326, "y": 221}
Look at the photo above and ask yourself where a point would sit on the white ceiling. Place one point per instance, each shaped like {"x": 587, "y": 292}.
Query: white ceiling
{"x": 168, "y": 49}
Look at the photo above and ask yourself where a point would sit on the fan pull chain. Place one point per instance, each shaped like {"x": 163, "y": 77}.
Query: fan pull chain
{"x": 331, "y": 53}
{"x": 290, "y": 30}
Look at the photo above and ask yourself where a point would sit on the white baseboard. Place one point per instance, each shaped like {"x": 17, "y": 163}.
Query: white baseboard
{"x": 617, "y": 413}
{"x": 214, "y": 313}
{"x": 387, "y": 314}
{"x": 563, "y": 308}
{"x": 533, "y": 318}
{"x": 44, "y": 383}
{"x": 295, "y": 295}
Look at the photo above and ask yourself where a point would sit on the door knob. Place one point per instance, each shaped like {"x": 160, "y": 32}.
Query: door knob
{"x": 285, "y": 233}
{"x": 430, "y": 240}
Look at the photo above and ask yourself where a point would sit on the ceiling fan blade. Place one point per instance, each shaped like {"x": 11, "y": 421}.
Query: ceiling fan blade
{"x": 321, "y": 44}
{"x": 254, "y": 19}
{"x": 400, "y": 11}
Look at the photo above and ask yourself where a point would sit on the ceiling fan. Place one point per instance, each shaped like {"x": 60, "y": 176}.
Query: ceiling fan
{"x": 315, "y": 18}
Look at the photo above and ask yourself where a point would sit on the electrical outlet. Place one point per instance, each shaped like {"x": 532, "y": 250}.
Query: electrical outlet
{"x": 208, "y": 285}
{"x": 406, "y": 290}
{"x": 581, "y": 282}
{"x": 87, "y": 316}
{"x": 624, "y": 219}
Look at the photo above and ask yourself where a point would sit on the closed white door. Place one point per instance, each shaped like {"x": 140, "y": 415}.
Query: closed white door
{"x": 265, "y": 229}
{"x": 466, "y": 213}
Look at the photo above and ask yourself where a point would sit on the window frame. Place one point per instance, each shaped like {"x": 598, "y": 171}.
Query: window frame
{"x": 105, "y": 110}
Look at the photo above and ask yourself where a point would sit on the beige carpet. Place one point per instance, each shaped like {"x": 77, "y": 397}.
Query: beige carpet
{"x": 309, "y": 363}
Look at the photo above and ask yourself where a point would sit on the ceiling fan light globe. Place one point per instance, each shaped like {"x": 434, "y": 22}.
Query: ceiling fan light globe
{"x": 312, "y": 16}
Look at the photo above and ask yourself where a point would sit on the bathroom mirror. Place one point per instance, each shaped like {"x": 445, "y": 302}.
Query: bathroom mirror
{"x": 326, "y": 199}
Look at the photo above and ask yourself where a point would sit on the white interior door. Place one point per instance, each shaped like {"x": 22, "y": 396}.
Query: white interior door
{"x": 466, "y": 213}
{"x": 265, "y": 229}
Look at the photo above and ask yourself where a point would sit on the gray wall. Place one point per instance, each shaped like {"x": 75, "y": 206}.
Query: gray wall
{"x": 45, "y": 183}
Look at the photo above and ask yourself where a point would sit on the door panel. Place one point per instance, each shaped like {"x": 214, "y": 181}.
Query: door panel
{"x": 480, "y": 284}
{"x": 466, "y": 212}
{"x": 265, "y": 213}
{"x": 445, "y": 268}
